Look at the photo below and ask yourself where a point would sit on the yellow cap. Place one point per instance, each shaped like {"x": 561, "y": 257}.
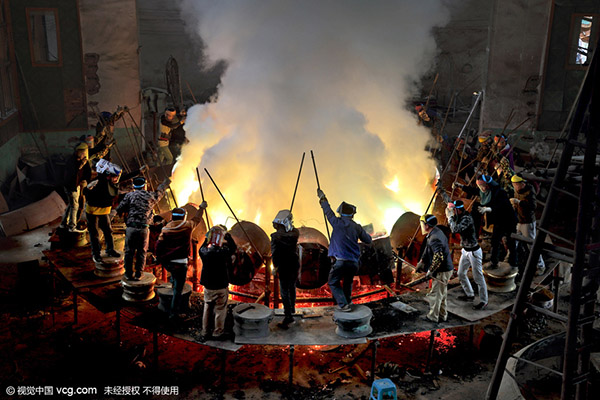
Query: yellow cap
{"x": 484, "y": 136}
{"x": 517, "y": 178}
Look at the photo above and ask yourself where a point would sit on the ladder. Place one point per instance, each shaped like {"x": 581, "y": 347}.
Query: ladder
{"x": 585, "y": 253}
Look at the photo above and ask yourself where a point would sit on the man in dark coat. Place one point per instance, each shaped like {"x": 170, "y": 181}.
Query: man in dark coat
{"x": 139, "y": 206}
{"x": 173, "y": 251}
{"x": 495, "y": 203}
{"x": 524, "y": 203}
{"x": 436, "y": 260}
{"x": 216, "y": 254}
{"x": 344, "y": 248}
{"x": 284, "y": 251}
{"x": 100, "y": 195}
{"x": 169, "y": 122}
{"x": 78, "y": 173}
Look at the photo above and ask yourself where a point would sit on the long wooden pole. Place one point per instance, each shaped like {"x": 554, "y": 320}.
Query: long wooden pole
{"x": 202, "y": 194}
{"x": 192, "y": 93}
{"x": 412, "y": 239}
{"x": 297, "y": 181}
{"x": 154, "y": 153}
{"x": 236, "y": 218}
{"x": 319, "y": 187}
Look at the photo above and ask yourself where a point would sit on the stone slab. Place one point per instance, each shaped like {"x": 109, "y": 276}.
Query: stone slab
{"x": 464, "y": 309}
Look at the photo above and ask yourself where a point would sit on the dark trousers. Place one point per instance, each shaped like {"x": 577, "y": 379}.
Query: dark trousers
{"x": 136, "y": 245}
{"x": 287, "y": 285}
{"x": 342, "y": 270}
{"x": 178, "y": 277}
{"x": 497, "y": 234}
{"x": 102, "y": 222}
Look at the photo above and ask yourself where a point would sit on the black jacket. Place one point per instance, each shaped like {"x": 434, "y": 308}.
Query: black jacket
{"x": 463, "y": 225}
{"x": 526, "y": 206}
{"x": 436, "y": 255}
{"x": 215, "y": 263}
{"x": 503, "y": 215}
{"x": 102, "y": 194}
{"x": 285, "y": 253}
{"x": 75, "y": 175}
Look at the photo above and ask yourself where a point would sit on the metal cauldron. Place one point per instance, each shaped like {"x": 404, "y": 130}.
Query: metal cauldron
{"x": 377, "y": 260}
{"x": 248, "y": 259}
{"x": 402, "y": 232}
{"x": 314, "y": 266}
{"x": 199, "y": 232}
{"x": 314, "y": 261}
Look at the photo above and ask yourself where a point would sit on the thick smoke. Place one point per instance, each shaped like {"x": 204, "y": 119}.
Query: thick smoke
{"x": 331, "y": 76}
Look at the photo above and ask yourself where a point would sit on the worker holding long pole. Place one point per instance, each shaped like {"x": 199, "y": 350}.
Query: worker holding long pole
{"x": 344, "y": 249}
{"x": 286, "y": 264}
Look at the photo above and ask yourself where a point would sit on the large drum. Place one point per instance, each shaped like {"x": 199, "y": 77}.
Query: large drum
{"x": 248, "y": 259}
{"x": 377, "y": 260}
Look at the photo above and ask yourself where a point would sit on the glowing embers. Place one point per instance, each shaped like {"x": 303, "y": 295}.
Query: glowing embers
{"x": 443, "y": 342}
{"x": 376, "y": 268}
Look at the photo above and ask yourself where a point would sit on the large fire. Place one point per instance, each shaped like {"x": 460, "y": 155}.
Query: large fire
{"x": 256, "y": 190}
{"x": 300, "y": 77}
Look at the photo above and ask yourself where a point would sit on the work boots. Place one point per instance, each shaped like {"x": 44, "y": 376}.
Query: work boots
{"x": 113, "y": 253}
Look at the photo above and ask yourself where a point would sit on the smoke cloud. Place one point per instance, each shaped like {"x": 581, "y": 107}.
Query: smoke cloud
{"x": 331, "y": 76}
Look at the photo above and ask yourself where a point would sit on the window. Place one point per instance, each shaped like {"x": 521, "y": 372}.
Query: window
{"x": 7, "y": 98}
{"x": 584, "y": 33}
{"x": 44, "y": 39}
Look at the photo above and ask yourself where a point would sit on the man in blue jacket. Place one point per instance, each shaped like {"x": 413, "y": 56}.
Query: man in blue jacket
{"x": 344, "y": 248}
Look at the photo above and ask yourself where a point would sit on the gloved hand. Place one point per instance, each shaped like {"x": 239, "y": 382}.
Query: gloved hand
{"x": 514, "y": 202}
{"x": 92, "y": 184}
{"x": 457, "y": 185}
{"x": 420, "y": 267}
{"x": 449, "y": 212}
{"x": 321, "y": 195}
{"x": 483, "y": 210}
{"x": 204, "y": 204}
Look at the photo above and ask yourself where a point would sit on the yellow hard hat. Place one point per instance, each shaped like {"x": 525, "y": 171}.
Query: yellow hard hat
{"x": 517, "y": 178}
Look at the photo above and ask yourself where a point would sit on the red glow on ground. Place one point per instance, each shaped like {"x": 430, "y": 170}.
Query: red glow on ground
{"x": 443, "y": 342}
{"x": 310, "y": 297}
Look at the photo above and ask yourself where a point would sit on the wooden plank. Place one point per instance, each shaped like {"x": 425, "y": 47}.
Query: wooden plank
{"x": 3, "y": 205}
{"x": 33, "y": 215}
{"x": 77, "y": 267}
